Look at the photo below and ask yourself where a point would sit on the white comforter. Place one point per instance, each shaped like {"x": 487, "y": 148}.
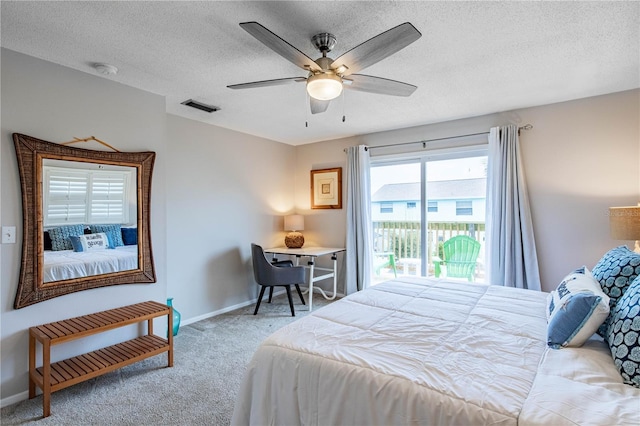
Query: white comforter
{"x": 67, "y": 264}
{"x": 422, "y": 351}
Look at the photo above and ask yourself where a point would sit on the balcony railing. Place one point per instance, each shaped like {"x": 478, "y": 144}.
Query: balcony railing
{"x": 402, "y": 238}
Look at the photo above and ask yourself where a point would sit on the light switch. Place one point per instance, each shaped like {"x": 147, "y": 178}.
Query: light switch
{"x": 8, "y": 235}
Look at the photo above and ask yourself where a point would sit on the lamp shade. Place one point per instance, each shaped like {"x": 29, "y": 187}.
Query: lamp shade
{"x": 624, "y": 223}
{"x": 324, "y": 87}
{"x": 294, "y": 222}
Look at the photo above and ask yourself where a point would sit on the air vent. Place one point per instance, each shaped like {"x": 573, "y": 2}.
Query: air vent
{"x": 200, "y": 106}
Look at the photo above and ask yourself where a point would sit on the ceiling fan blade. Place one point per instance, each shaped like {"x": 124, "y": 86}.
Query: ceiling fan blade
{"x": 383, "y": 86}
{"x": 280, "y": 46}
{"x": 318, "y": 106}
{"x": 265, "y": 83}
{"x": 377, "y": 48}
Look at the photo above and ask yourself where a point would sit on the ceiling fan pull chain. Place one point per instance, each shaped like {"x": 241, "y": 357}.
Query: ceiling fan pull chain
{"x": 343, "y": 107}
{"x": 306, "y": 109}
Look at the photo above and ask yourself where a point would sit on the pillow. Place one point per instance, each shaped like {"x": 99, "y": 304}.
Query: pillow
{"x": 90, "y": 242}
{"x": 130, "y": 236}
{"x": 60, "y": 236}
{"x": 114, "y": 234}
{"x": 46, "y": 241}
{"x": 623, "y": 334}
{"x": 575, "y": 310}
{"x": 615, "y": 271}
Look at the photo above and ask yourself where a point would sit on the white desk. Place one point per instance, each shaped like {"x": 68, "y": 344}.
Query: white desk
{"x": 312, "y": 253}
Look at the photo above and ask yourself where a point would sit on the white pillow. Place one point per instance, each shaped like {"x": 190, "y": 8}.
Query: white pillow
{"x": 90, "y": 242}
{"x": 575, "y": 310}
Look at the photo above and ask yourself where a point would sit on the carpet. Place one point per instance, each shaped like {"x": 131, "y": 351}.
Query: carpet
{"x": 210, "y": 357}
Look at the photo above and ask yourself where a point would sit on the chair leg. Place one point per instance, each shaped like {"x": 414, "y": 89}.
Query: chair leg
{"x": 270, "y": 293}
{"x": 288, "y": 287}
{"x": 300, "y": 294}
{"x": 259, "y": 299}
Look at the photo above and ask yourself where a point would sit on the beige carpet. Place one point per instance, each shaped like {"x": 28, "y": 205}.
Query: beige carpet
{"x": 209, "y": 360}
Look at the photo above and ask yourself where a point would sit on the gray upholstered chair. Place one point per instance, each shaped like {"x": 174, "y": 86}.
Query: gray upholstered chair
{"x": 276, "y": 274}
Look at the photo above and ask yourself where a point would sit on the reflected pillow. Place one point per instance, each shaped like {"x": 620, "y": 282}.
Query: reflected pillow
{"x": 60, "y": 236}
{"x": 130, "y": 236}
{"x": 113, "y": 233}
{"x": 575, "y": 310}
{"x": 623, "y": 334}
{"x": 90, "y": 242}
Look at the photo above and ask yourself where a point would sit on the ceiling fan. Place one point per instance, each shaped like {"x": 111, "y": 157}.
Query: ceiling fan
{"x": 327, "y": 77}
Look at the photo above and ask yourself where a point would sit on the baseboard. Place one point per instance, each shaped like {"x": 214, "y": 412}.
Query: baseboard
{"x": 14, "y": 398}
{"x": 227, "y": 309}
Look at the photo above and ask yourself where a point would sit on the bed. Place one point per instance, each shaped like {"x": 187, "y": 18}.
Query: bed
{"x": 67, "y": 264}
{"x": 428, "y": 351}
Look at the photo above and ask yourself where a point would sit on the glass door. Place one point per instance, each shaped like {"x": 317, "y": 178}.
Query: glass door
{"x": 417, "y": 205}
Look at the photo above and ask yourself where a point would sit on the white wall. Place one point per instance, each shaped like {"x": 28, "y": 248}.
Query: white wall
{"x": 580, "y": 158}
{"x": 225, "y": 191}
{"x": 214, "y": 192}
{"x": 55, "y": 103}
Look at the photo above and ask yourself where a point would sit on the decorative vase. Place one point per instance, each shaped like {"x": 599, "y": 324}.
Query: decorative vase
{"x": 176, "y": 317}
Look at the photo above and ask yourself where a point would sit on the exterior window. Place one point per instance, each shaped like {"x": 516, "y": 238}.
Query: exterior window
{"x": 464, "y": 208}
{"x": 386, "y": 207}
{"x": 432, "y": 206}
{"x": 411, "y": 204}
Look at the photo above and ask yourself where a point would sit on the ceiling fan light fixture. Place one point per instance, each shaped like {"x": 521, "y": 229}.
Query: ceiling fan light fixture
{"x": 324, "y": 87}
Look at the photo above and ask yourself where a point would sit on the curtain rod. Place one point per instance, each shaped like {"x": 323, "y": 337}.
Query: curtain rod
{"x": 424, "y": 142}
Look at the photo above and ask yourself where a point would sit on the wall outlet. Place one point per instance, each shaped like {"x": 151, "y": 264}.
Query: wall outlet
{"x": 8, "y": 235}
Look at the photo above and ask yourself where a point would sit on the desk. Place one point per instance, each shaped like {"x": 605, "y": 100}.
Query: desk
{"x": 312, "y": 253}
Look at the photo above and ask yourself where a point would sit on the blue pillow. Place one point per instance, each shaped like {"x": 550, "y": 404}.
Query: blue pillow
{"x": 60, "y": 236}
{"x": 114, "y": 234}
{"x": 130, "y": 236}
{"x": 615, "y": 271}
{"x": 623, "y": 334}
{"x": 575, "y": 310}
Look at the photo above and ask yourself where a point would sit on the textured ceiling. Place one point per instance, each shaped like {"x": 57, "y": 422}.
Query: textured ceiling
{"x": 474, "y": 58}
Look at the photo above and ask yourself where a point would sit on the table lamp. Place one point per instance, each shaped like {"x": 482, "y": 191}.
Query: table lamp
{"x": 624, "y": 223}
{"x": 294, "y": 223}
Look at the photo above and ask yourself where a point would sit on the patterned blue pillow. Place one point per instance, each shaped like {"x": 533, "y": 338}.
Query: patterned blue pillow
{"x": 60, "y": 236}
{"x": 114, "y": 233}
{"x": 623, "y": 334}
{"x": 615, "y": 271}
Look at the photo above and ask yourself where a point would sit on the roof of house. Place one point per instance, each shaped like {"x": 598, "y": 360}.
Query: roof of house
{"x": 436, "y": 190}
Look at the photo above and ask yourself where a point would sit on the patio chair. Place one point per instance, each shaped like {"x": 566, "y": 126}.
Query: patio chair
{"x": 460, "y": 257}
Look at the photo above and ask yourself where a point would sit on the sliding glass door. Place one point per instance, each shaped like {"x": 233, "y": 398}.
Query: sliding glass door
{"x": 418, "y": 204}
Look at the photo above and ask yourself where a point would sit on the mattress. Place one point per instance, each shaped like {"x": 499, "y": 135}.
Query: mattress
{"x": 426, "y": 351}
{"x": 67, "y": 264}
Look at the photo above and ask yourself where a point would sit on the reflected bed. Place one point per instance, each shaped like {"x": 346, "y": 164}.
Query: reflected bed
{"x": 67, "y": 264}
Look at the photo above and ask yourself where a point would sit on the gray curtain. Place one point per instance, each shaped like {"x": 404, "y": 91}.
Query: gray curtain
{"x": 511, "y": 258}
{"x": 359, "y": 235}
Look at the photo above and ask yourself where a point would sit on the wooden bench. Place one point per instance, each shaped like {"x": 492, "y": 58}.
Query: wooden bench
{"x": 59, "y": 375}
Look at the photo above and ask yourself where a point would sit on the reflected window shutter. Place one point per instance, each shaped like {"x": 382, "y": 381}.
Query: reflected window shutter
{"x": 65, "y": 197}
{"x": 109, "y": 198}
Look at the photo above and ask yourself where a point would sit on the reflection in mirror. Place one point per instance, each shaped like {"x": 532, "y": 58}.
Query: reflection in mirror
{"x": 89, "y": 218}
{"x": 85, "y": 219}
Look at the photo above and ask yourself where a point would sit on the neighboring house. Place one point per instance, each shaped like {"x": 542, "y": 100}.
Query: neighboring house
{"x": 460, "y": 200}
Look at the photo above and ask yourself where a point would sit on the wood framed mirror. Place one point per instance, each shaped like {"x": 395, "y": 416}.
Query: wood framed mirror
{"x": 84, "y": 180}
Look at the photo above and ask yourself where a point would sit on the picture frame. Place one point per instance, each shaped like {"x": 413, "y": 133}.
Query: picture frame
{"x": 326, "y": 188}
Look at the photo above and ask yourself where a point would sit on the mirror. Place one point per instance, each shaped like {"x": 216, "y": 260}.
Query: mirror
{"x": 66, "y": 224}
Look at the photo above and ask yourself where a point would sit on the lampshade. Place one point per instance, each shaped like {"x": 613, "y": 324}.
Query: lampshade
{"x": 624, "y": 223}
{"x": 324, "y": 87}
{"x": 294, "y": 222}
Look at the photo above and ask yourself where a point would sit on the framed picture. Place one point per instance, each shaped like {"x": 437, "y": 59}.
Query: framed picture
{"x": 326, "y": 188}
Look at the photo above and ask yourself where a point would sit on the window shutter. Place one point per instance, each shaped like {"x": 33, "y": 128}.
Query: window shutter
{"x": 108, "y": 198}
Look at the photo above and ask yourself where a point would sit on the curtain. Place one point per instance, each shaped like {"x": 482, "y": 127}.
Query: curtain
{"x": 510, "y": 246}
{"x": 359, "y": 261}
